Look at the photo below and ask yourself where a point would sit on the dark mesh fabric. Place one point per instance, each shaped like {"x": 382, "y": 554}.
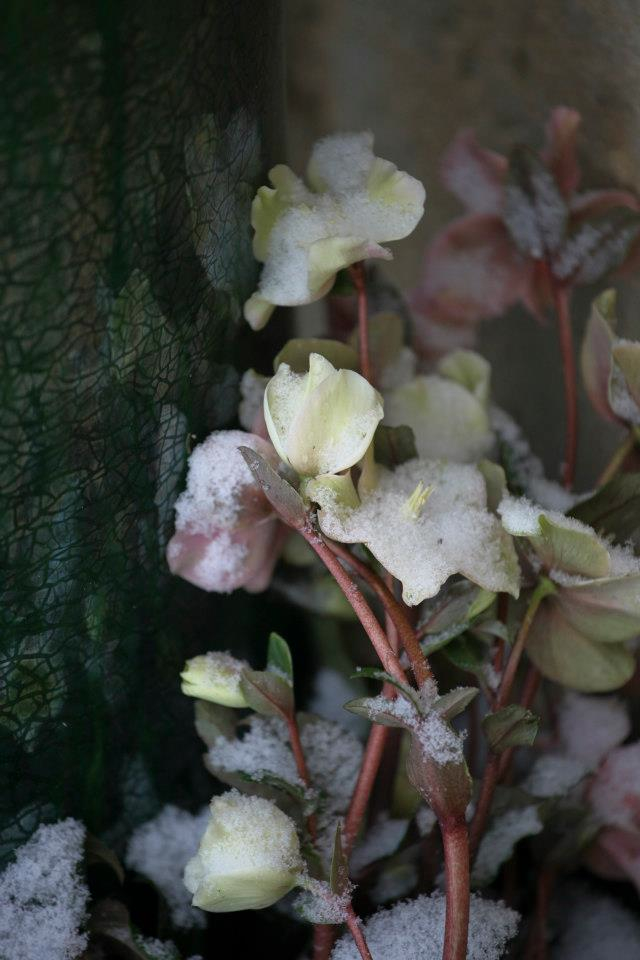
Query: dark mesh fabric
{"x": 133, "y": 136}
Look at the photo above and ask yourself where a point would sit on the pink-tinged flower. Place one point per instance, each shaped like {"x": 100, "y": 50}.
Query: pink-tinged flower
{"x": 525, "y": 229}
{"x": 226, "y": 535}
{"x": 614, "y": 797}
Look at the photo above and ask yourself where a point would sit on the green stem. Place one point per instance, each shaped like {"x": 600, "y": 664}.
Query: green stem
{"x": 619, "y": 457}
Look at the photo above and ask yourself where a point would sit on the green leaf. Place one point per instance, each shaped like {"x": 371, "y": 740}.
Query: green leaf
{"x": 535, "y": 211}
{"x": 279, "y": 657}
{"x": 467, "y": 653}
{"x": 394, "y": 445}
{"x": 286, "y": 501}
{"x": 607, "y": 610}
{"x": 512, "y": 726}
{"x": 364, "y": 707}
{"x": 614, "y": 510}
{"x": 455, "y": 702}
{"x": 375, "y": 673}
{"x": 562, "y": 653}
{"x": 574, "y": 551}
{"x": 267, "y": 693}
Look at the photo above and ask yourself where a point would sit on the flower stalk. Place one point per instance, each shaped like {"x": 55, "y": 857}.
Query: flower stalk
{"x": 360, "y": 283}
{"x": 561, "y": 302}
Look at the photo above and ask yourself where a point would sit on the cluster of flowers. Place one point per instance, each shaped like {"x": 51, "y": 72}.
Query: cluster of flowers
{"x": 417, "y": 471}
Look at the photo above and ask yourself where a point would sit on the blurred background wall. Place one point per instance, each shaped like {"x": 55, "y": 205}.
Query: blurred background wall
{"x": 416, "y": 71}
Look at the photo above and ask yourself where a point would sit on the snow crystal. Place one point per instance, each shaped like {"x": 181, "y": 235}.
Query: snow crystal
{"x": 381, "y": 840}
{"x": 553, "y": 775}
{"x": 439, "y": 741}
{"x": 623, "y": 561}
{"x": 319, "y": 904}
{"x": 217, "y": 478}
{"x": 589, "y": 727}
{"x": 425, "y": 820}
{"x": 414, "y": 930}
{"x": 455, "y": 533}
{"x": 615, "y": 790}
{"x": 158, "y": 949}
{"x": 522, "y": 518}
{"x": 401, "y": 369}
{"x": 596, "y": 927}
{"x": 42, "y": 897}
{"x": 528, "y": 469}
{"x": 500, "y": 839}
{"x": 264, "y": 749}
{"x": 160, "y": 849}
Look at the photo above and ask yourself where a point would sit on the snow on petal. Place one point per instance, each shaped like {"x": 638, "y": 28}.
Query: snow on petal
{"x": 304, "y": 237}
{"x": 454, "y": 532}
{"x": 226, "y": 535}
{"x": 590, "y": 727}
{"x": 473, "y": 174}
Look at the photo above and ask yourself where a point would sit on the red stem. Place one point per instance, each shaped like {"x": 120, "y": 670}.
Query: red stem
{"x": 388, "y": 658}
{"x": 323, "y": 939}
{"x": 492, "y": 768}
{"x": 301, "y": 766}
{"x": 376, "y": 742}
{"x": 355, "y": 929}
{"x": 561, "y": 300}
{"x": 393, "y": 608}
{"x": 360, "y": 283}
{"x": 455, "y": 839}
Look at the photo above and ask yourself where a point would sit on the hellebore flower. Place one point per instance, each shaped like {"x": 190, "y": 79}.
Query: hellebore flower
{"x": 322, "y": 421}
{"x": 525, "y": 222}
{"x": 614, "y": 798}
{"x": 305, "y": 235}
{"x": 227, "y": 535}
{"x": 249, "y": 856}
{"x": 610, "y": 365}
{"x": 461, "y": 388}
{"x": 580, "y": 633}
{"x": 215, "y": 676}
{"x": 424, "y": 522}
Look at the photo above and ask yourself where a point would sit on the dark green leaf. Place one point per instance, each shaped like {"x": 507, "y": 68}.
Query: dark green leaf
{"x": 535, "y": 211}
{"x": 369, "y": 709}
{"x": 614, "y": 510}
{"x": 467, "y": 653}
{"x": 213, "y": 721}
{"x": 452, "y": 704}
{"x": 339, "y": 873}
{"x": 513, "y": 726}
{"x": 374, "y": 673}
{"x": 279, "y": 657}
{"x": 394, "y": 445}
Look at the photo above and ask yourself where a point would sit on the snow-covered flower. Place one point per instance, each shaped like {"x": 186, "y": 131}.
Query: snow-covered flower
{"x": 304, "y": 235}
{"x": 249, "y": 856}
{"x": 491, "y": 258}
{"x": 424, "y": 522}
{"x": 579, "y": 634}
{"x": 226, "y": 535}
{"x": 323, "y": 421}
{"x": 214, "y": 676}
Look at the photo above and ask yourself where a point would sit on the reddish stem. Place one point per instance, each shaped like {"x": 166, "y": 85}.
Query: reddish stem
{"x": 376, "y": 742}
{"x": 561, "y": 301}
{"x": 355, "y": 929}
{"x": 360, "y": 283}
{"x": 455, "y": 839}
{"x": 393, "y": 608}
{"x": 323, "y": 939}
{"x": 536, "y": 948}
{"x": 301, "y": 766}
{"x": 388, "y": 657}
{"x": 492, "y": 768}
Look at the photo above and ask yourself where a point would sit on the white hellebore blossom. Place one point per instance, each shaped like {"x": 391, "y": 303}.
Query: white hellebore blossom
{"x": 322, "y": 421}
{"x": 249, "y": 856}
{"x": 214, "y": 676}
{"x": 305, "y": 235}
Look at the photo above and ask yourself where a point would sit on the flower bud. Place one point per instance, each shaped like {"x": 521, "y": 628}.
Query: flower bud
{"x": 215, "y": 676}
{"x": 249, "y": 856}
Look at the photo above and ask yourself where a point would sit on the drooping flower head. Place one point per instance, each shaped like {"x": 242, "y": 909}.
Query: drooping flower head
{"x": 304, "y": 235}
{"x": 249, "y": 856}
{"x": 227, "y": 535}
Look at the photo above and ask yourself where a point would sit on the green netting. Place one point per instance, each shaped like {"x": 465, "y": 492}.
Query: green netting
{"x": 133, "y": 136}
